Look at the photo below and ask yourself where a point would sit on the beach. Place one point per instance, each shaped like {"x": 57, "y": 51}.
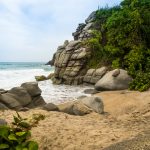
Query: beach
{"x": 126, "y": 119}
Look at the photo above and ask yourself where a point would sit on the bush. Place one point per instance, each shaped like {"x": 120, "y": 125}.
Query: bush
{"x": 123, "y": 40}
{"x": 141, "y": 82}
{"x": 17, "y": 136}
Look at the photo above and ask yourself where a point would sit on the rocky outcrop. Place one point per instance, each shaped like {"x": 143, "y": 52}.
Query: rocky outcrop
{"x": 117, "y": 79}
{"x": 28, "y": 95}
{"x": 71, "y": 58}
{"x": 72, "y": 67}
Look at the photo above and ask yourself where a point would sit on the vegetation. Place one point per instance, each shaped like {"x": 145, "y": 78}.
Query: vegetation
{"x": 17, "y": 136}
{"x": 123, "y": 40}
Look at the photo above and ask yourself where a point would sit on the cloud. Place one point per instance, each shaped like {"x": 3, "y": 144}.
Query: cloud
{"x": 31, "y": 30}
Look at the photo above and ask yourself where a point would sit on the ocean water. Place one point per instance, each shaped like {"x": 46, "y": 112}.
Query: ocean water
{"x": 13, "y": 74}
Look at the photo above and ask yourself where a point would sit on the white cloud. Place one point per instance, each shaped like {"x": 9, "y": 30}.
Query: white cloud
{"x": 31, "y": 30}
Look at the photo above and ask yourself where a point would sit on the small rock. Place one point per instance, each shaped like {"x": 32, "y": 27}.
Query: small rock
{"x": 40, "y": 78}
{"x": 50, "y": 107}
{"x": 90, "y": 91}
{"x": 24, "y": 109}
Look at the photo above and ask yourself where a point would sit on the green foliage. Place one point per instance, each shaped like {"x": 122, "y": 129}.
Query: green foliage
{"x": 124, "y": 40}
{"x": 17, "y": 136}
{"x": 141, "y": 82}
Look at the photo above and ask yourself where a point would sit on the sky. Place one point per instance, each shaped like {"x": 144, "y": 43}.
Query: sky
{"x": 31, "y": 30}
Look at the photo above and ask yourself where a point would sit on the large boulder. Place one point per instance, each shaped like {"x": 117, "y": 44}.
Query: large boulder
{"x": 38, "y": 101}
{"x": 94, "y": 103}
{"x": 10, "y": 101}
{"x": 32, "y": 88}
{"x": 21, "y": 95}
{"x": 117, "y": 79}
{"x": 76, "y": 108}
{"x": 15, "y": 98}
{"x": 80, "y": 109}
{"x": 83, "y": 106}
{"x": 3, "y": 107}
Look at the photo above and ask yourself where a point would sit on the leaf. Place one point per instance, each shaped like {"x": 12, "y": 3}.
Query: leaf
{"x": 4, "y": 146}
{"x": 18, "y": 147}
{"x": 24, "y": 124}
{"x": 12, "y": 137}
{"x": 25, "y": 149}
{"x": 4, "y": 131}
{"x": 20, "y": 133}
{"x": 16, "y": 120}
{"x": 18, "y": 115}
{"x": 33, "y": 145}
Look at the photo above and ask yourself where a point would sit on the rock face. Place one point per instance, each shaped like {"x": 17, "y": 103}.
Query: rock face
{"x": 28, "y": 95}
{"x": 117, "y": 79}
{"x": 71, "y": 58}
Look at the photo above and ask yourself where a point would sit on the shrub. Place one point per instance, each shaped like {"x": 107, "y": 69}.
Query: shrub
{"x": 123, "y": 40}
{"x": 141, "y": 82}
{"x": 17, "y": 136}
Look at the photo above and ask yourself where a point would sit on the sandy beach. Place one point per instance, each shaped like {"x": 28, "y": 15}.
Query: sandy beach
{"x": 127, "y": 115}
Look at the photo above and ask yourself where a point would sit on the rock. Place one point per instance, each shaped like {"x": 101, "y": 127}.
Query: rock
{"x": 114, "y": 80}
{"x": 88, "y": 26}
{"x": 72, "y": 45}
{"x": 38, "y": 101}
{"x": 101, "y": 71}
{"x": 76, "y": 108}
{"x": 32, "y": 88}
{"x": 40, "y": 78}
{"x": 20, "y": 94}
{"x": 94, "y": 103}
{"x": 50, "y": 76}
{"x": 3, "y": 122}
{"x": 116, "y": 72}
{"x": 3, "y": 107}
{"x": 90, "y": 91}
{"x": 80, "y": 109}
{"x": 91, "y": 17}
{"x": 9, "y": 100}
{"x": 24, "y": 109}
{"x": 2, "y": 91}
{"x": 50, "y": 107}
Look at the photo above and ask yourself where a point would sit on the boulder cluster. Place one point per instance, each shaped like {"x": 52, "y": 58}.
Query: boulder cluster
{"x": 28, "y": 95}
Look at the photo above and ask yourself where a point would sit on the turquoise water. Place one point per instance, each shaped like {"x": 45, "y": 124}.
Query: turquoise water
{"x": 24, "y": 66}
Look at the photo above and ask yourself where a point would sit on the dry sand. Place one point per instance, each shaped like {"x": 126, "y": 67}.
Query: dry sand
{"x": 127, "y": 115}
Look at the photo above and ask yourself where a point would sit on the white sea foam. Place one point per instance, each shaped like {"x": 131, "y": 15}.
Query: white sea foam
{"x": 50, "y": 92}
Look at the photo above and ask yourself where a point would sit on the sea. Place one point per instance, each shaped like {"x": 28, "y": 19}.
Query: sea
{"x": 13, "y": 74}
